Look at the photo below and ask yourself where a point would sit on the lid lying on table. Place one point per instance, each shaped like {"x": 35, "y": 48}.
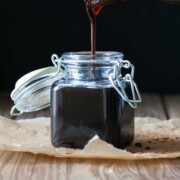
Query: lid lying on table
{"x": 32, "y": 91}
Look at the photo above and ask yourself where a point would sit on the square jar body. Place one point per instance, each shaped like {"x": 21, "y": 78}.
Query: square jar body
{"x": 78, "y": 113}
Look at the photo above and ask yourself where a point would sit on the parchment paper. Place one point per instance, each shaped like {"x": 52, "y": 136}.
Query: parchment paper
{"x": 153, "y": 139}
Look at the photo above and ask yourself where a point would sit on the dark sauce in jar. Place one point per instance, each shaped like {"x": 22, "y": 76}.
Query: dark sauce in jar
{"x": 78, "y": 114}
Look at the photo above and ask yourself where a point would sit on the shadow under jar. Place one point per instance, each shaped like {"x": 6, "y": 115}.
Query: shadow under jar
{"x": 85, "y": 103}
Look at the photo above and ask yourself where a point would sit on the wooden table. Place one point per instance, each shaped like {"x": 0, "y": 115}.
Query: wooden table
{"x": 15, "y": 165}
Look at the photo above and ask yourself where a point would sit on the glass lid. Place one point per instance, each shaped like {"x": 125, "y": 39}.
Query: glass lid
{"x": 32, "y": 91}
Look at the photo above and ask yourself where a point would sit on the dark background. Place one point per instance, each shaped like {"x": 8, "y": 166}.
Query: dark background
{"x": 147, "y": 32}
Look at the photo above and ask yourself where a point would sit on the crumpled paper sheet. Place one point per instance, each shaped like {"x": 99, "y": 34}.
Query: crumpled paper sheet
{"x": 153, "y": 139}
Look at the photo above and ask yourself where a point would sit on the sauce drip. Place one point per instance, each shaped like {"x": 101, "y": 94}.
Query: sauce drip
{"x": 93, "y": 8}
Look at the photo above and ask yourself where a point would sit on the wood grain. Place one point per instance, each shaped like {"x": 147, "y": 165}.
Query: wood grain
{"x": 28, "y": 166}
{"x": 151, "y": 106}
{"x": 173, "y": 105}
{"x": 53, "y": 168}
{"x": 14, "y": 165}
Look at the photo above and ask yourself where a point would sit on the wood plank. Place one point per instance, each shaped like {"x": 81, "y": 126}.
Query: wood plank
{"x": 24, "y": 166}
{"x": 14, "y": 165}
{"x": 53, "y": 168}
{"x": 173, "y": 105}
{"x": 151, "y": 106}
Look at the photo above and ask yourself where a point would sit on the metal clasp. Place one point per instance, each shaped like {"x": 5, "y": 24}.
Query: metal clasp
{"x": 15, "y": 112}
{"x": 120, "y": 83}
{"x": 57, "y": 63}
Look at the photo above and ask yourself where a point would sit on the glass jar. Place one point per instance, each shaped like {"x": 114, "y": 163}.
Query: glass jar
{"x": 93, "y": 99}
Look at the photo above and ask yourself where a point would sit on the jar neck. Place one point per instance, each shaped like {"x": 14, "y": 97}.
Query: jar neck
{"x": 88, "y": 73}
{"x": 84, "y": 66}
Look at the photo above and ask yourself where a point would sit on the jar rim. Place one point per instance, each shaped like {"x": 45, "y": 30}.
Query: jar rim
{"x": 87, "y": 57}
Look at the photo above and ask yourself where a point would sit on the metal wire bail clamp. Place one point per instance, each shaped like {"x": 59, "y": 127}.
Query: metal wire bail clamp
{"x": 57, "y": 62}
{"x": 118, "y": 82}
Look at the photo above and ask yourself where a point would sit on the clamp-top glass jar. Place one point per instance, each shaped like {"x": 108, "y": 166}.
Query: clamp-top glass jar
{"x": 91, "y": 100}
